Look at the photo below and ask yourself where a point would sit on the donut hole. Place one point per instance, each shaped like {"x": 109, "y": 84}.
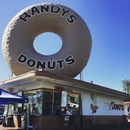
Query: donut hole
{"x": 47, "y": 43}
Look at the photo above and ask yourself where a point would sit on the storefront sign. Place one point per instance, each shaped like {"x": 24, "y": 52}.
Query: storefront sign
{"x": 69, "y": 16}
{"x": 30, "y": 62}
{"x": 115, "y": 106}
{"x": 19, "y": 36}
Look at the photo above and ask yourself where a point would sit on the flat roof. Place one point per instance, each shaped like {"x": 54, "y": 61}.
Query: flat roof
{"x": 35, "y": 76}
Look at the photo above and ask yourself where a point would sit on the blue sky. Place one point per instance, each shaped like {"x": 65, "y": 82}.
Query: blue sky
{"x": 109, "y": 24}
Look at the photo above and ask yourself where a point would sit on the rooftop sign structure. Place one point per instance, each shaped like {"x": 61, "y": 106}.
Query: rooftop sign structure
{"x": 20, "y": 33}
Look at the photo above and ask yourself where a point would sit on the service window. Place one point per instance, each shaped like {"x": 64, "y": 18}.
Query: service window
{"x": 73, "y": 103}
{"x": 49, "y": 102}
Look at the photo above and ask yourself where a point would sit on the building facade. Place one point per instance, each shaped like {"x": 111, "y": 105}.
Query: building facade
{"x": 66, "y": 102}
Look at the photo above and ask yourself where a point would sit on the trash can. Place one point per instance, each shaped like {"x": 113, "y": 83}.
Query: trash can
{"x": 66, "y": 120}
{"x": 8, "y": 121}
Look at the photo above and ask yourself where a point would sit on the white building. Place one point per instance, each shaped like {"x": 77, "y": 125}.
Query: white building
{"x": 49, "y": 94}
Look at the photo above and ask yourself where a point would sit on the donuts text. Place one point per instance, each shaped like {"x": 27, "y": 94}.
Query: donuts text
{"x": 30, "y": 62}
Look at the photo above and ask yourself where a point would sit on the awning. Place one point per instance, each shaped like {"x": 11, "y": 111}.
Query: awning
{"x": 9, "y": 98}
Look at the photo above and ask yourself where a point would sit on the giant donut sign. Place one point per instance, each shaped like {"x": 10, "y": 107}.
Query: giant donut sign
{"x": 18, "y": 37}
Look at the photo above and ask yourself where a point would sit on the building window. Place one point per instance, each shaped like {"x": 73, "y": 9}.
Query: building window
{"x": 48, "y": 102}
{"x": 35, "y": 99}
{"x": 74, "y": 102}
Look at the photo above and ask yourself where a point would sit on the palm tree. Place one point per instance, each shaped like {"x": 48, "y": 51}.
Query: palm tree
{"x": 126, "y": 86}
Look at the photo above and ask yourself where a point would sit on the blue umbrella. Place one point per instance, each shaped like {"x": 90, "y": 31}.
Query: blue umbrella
{"x": 9, "y": 98}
